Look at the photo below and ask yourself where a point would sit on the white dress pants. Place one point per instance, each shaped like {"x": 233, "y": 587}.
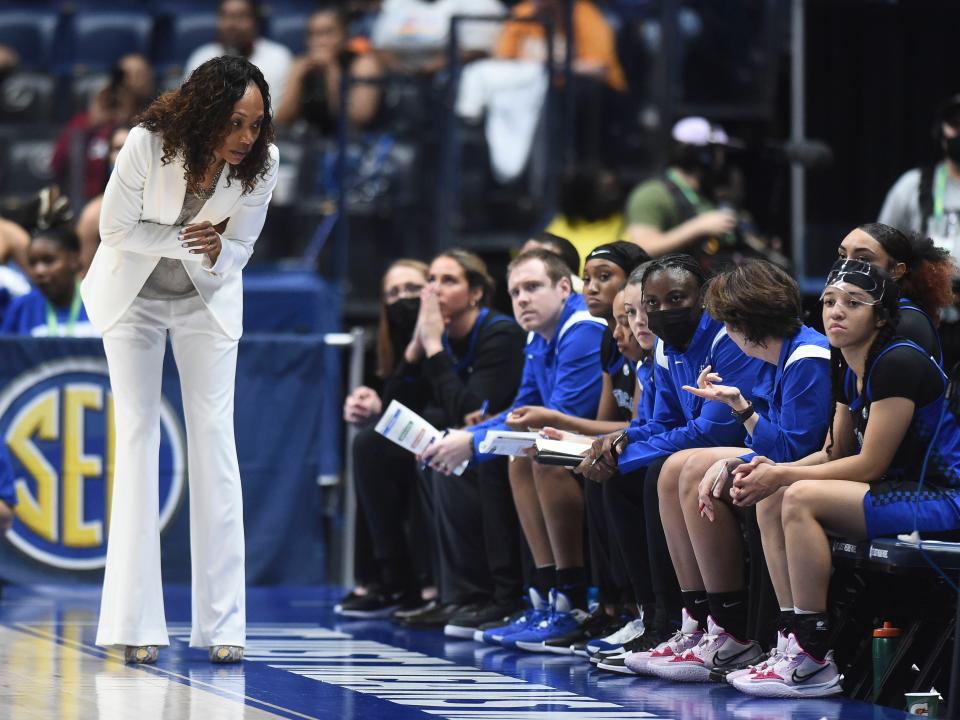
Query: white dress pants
{"x": 131, "y": 610}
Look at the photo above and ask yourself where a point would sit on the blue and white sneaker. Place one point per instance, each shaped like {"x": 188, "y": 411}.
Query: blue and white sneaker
{"x": 538, "y": 611}
{"x": 632, "y": 629}
{"x": 562, "y": 620}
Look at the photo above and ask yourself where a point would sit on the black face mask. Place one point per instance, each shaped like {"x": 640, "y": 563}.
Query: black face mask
{"x": 953, "y": 149}
{"x": 675, "y": 327}
{"x": 402, "y": 319}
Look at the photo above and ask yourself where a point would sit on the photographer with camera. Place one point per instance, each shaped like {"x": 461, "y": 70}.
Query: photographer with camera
{"x": 679, "y": 210}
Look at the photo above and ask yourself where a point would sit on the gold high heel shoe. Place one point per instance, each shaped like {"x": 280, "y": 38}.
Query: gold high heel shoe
{"x": 141, "y": 654}
{"x": 223, "y": 654}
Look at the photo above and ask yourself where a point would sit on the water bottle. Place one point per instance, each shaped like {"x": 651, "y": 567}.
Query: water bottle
{"x": 885, "y": 642}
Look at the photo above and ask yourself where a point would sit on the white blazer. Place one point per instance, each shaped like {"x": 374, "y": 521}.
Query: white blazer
{"x": 142, "y": 201}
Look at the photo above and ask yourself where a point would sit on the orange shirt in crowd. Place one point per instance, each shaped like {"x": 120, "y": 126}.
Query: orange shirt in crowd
{"x": 593, "y": 40}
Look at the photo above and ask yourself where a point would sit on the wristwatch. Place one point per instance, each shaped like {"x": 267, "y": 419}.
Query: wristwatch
{"x": 742, "y": 416}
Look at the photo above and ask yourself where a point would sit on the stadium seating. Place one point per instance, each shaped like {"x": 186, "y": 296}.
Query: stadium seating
{"x": 100, "y": 38}
{"x": 32, "y": 33}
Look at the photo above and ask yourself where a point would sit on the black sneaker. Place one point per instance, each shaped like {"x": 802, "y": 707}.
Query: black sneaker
{"x": 401, "y": 615}
{"x": 465, "y": 624}
{"x": 435, "y": 617}
{"x": 347, "y": 600}
{"x": 377, "y": 604}
{"x": 597, "y": 625}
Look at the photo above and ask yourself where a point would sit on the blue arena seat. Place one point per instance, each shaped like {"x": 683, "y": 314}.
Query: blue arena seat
{"x": 32, "y": 33}
{"x": 27, "y": 98}
{"x": 289, "y": 29}
{"x": 181, "y": 34}
{"x": 26, "y": 167}
{"x": 101, "y": 38}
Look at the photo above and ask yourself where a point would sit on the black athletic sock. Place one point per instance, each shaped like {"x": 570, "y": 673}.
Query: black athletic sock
{"x": 545, "y": 578}
{"x": 697, "y": 605}
{"x": 729, "y": 611}
{"x": 648, "y": 611}
{"x": 812, "y": 631}
{"x": 572, "y": 582}
{"x": 785, "y": 622}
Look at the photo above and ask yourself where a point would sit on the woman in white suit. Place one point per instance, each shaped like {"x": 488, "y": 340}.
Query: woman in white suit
{"x": 181, "y": 213}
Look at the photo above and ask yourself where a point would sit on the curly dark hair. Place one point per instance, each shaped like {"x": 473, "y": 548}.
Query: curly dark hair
{"x": 195, "y": 119}
{"x": 757, "y": 299}
{"x": 930, "y": 270}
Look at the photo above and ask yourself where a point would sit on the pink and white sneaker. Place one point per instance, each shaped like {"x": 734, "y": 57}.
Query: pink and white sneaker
{"x": 717, "y": 652}
{"x": 795, "y": 675}
{"x": 685, "y": 638}
{"x": 775, "y": 654}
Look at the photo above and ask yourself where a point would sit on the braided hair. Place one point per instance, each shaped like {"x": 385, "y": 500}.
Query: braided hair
{"x": 679, "y": 261}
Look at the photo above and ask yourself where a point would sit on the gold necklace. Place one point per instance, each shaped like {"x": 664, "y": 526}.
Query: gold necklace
{"x": 207, "y": 193}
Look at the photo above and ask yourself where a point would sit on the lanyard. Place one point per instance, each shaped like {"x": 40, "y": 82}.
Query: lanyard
{"x": 53, "y": 327}
{"x": 939, "y": 189}
{"x": 688, "y": 192}
{"x": 468, "y": 356}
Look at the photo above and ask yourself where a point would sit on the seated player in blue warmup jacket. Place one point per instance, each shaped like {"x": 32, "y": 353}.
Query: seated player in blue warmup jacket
{"x": 561, "y": 372}
{"x": 760, "y": 307}
{"x": 8, "y": 493}
{"x": 891, "y": 464}
{"x": 54, "y": 308}
{"x": 689, "y": 340}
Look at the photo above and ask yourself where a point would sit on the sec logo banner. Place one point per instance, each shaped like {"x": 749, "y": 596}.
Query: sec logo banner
{"x": 58, "y": 423}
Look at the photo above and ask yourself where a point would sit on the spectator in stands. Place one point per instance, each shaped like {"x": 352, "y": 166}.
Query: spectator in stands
{"x": 313, "y": 86}
{"x": 88, "y": 224}
{"x": 923, "y": 271}
{"x": 138, "y": 79}
{"x": 676, "y": 211}
{"x": 410, "y": 36}
{"x": 760, "y": 307}
{"x": 238, "y": 33}
{"x": 591, "y": 209}
{"x": 689, "y": 339}
{"x": 181, "y": 214}
{"x": 594, "y": 47}
{"x": 108, "y": 108}
{"x": 561, "y": 372}
{"x": 462, "y": 355}
{"x": 54, "y": 308}
{"x": 891, "y": 464}
{"x": 399, "y": 308}
{"x": 926, "y": 200}
{"x": 8, "y": 492}
{"x": 9, "y": 61}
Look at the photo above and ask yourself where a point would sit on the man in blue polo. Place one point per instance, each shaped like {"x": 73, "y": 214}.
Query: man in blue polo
{"x": 561, "y": 372}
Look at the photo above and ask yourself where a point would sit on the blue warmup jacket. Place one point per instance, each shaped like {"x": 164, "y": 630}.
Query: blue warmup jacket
{"x": 562, "y": 374}
{"x": 27, "y": 315}
{"x": 647, "y": 397}
{"x": 798, "y": 400}
{"x": 682, "y": 420}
